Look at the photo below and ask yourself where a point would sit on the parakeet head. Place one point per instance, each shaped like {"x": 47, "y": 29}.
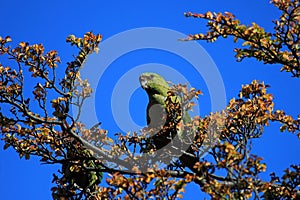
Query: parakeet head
{"x": 154, "y": 83}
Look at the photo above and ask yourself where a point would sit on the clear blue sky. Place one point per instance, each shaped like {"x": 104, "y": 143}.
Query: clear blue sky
{"x": 49, "y": 22}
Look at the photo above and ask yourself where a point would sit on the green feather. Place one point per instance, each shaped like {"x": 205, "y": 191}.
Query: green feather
{"x": 157, "y": 89}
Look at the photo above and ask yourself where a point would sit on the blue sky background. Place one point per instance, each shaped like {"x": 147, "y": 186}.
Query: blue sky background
{"x": 50, "y": 22}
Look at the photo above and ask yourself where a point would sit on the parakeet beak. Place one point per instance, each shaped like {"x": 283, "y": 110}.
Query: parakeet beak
{"x": 143, "y": 81}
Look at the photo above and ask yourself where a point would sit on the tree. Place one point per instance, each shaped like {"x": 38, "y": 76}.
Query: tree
{"x": 41, "y": 125}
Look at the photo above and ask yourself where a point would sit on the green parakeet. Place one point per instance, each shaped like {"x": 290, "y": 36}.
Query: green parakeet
{"x": 157, "y": 89}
